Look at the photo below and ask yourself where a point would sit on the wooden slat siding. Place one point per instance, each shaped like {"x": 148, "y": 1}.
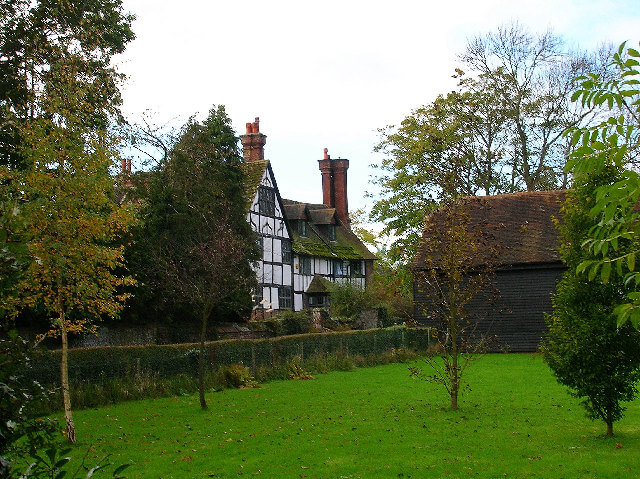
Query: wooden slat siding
{"x": 516, "y": 319}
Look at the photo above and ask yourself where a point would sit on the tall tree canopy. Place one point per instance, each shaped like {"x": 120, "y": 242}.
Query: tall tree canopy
{"x": 503, "y": 127}
{"x": 195, "y": 245}
{"x": 42, "y": 44}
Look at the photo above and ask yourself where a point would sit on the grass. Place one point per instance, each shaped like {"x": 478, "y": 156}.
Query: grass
{"x": 516, "y": 422}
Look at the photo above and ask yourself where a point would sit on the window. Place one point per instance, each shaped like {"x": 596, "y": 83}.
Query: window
{"x": 284, "y": 297}
{"x": 331, "y": 232}
{"x": 356, "y": 268}
{"x": 340, "y": 268}
{"x": 267, "y": 201}
{"x": 302, "y": 228}
{"x": 305, "y": 265}
{"x": 318, "y": 301}
{"x": 286, "y": 251}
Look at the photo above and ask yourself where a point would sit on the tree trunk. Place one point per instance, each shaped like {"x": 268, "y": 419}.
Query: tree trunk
{"x": 454, "y": 380}
{"x": 609, "y": 422}
{"x": 201, "y": 359}
{"x": 70, "y": 431}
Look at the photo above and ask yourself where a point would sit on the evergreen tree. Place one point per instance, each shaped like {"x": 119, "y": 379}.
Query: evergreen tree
{"x": 587, "y": 351}
{"x": 195, "y": 246}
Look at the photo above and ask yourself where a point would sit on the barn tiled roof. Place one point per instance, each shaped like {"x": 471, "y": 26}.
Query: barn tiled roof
{"x": 519, "y": 227}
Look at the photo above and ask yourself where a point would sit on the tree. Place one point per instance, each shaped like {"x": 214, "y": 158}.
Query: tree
{"x": 40, "y": 40}
{"x": 587, "y": 352}
{"x": 614, "y": 143}
{"x": 21, "y": 433}
{"x": 72, "y": 227}
{"x": 454, "y": 268}
{"x": 503, "y": 125}
{"x": 199, "y": 245}
{"x": 532, "y": 77}
{"x": 454, "y": 135}
{"x": 60, "y": 95}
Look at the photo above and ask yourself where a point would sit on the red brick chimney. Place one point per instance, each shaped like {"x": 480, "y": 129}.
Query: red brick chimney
{"x": 253, "y": 142}
{"x": 334, "y": 185}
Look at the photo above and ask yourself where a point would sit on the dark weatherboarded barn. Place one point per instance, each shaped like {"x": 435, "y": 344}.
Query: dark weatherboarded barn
{"x": 519, "y": 228}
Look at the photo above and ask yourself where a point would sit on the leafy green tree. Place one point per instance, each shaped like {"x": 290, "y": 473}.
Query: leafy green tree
{"x": 40, "y": 41}
{"x": 614, "y": 143}
{"x": 195, "y": 237}
{"x": 59, "y": 96}
{"x": 587, "y": 352}
{"x": 21, "y": 433}
{"x": 452, "y": 137}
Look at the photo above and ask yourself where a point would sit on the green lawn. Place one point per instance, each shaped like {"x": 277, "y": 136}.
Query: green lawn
{"x": 516, "y": 421}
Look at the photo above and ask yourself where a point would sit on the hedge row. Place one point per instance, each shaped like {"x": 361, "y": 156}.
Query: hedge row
{"x": 99, "y": 364}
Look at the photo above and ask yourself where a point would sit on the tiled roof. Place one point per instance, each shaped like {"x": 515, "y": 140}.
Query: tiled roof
{"x": 519, "y": 227}
{"x": 295, "y": 211}
{"x": 324, "y": 216}
{"x": 346, "y": 245}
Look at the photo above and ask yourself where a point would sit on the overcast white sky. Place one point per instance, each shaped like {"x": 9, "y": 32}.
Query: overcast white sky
{"x": 327, "y": 74}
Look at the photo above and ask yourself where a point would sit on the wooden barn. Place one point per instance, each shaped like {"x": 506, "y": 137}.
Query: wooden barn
{"x": 519, "y": 229}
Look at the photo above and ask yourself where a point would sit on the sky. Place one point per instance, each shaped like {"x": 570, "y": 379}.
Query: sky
{"x": 327, "y": 74}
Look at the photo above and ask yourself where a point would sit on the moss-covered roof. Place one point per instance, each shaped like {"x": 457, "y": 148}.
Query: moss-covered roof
{"x": 254, "y": 171}
{"x": 317, "y": 243}
{"x": 318, "y": 285}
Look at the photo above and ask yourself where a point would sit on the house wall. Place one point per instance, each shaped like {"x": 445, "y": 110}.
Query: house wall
{"x": 515, "y": 314}
{"x": 322, "y": 267}
{"x": 272, "y": 272}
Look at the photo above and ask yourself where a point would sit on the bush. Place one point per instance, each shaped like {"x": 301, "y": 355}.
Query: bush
{"x": 348, "y": 300}
{"x": 284, "y": 323}
{"x": 238, "y": 376}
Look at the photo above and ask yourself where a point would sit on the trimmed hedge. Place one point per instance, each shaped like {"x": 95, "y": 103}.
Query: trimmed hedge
{"x": 99, "y": 364}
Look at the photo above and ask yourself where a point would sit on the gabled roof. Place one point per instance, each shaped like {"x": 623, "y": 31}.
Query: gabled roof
{"x": 253, "y": 171}
{"x": 519, "y": 227}
{"x": 317, "y": 243}
{"x": 319, "y": 285}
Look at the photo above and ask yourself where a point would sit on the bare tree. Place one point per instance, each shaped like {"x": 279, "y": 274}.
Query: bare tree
{"x": 533, "y": 77}
{"x": 454, "y": 267}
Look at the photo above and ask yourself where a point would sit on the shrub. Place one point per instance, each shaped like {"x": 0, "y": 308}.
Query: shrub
{"x": 238, "y": 376}
{"x": 348, "y": 300}
{"x": 284, "y": 323}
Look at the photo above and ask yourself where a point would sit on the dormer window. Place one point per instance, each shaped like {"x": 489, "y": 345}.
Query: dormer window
{"x": 331, "y": 232}
{"x": 302, "y": 228}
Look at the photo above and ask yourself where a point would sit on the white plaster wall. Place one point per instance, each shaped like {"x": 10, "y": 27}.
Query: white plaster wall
{"x": 277, "y": 250}
{"x": 297, "y": 302}
{"x": 274, "y": 298}
{"x": 286, "y": 274}
{"x": 277, "y": 274}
